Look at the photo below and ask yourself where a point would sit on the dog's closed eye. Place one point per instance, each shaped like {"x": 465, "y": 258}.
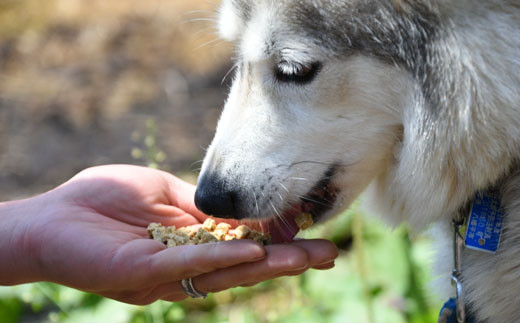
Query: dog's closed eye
{"x": 299, "y": 74}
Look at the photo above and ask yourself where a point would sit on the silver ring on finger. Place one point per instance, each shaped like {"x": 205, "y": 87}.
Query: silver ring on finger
{"x": 190, "y": 290}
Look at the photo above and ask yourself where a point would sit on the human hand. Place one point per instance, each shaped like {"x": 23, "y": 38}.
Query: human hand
{"x": 90, "y": 234}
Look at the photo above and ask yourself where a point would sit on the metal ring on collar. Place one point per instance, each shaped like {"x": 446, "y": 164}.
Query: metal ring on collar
{"x": 189, "y": 289}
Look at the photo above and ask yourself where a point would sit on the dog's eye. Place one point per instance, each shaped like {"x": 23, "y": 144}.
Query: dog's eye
{"x": 299, "y": 74}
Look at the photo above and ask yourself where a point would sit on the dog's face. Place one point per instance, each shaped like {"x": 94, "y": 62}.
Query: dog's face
{"x": 304, "y": 129}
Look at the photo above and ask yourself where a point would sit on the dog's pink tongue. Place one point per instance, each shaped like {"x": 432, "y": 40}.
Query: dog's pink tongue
{"x": 282, "y": 230}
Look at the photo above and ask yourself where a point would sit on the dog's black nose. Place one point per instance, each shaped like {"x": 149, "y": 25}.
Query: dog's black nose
{"x": 214, "y": 198}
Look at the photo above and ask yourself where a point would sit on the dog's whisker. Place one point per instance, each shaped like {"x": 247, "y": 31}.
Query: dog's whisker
{"x": 320, "y": 163}
{"x": 229, "y": 72}
{"x": 306, "y": 198}
{"x": 200, "y": 11}
{"x": 201, "y": 19}
{"x": 298, "y": 178}
{"x": 283, "y": 220}
{"x": 256, "y": 204}
{"x": 274, "y": 209}
{"x": 206, "y": 31}
{"x": 277, "y": 212}
{"x": 283, "y": 186}
{"x": 195, "y": 163}
{"x": 213, "y": 41}
{"x": 283, "y": 223}
{"x": 317, "y": 163}
{"x": 199, "y": 16}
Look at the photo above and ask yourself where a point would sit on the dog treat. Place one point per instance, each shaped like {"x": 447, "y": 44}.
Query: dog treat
{"x": 259, "y": 237}
{"x": 190, "y": 231}
{"x": 230, "y": 237}
{"x": 209, "y": 225}
{"x": 304, "y": 221}
{"x": 171, "y": 243}
{"x": 242, "y": 231}
{"x": 204, "y": 236}
{"x": 207, "y": 233}
{"x": 156, "y": 231}
{"x": 221, "y": 231}
{"x": 179, "y": 238}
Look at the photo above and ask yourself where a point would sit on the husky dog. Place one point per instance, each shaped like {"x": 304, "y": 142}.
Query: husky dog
{"x": 415, "y": 102}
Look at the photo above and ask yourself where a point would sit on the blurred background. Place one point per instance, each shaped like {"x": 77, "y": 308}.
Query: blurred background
{"x": 89, "y": 82}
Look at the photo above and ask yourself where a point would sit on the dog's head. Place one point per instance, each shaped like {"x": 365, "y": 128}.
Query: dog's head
{"x": 307, "y": 124}
{"x": 318, "y": 106}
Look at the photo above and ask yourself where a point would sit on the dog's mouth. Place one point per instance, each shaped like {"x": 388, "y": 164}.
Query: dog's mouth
{"x": 318, "y": 201}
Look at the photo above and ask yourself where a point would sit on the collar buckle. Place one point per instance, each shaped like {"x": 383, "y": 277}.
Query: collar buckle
{"x": 456, "y": 275}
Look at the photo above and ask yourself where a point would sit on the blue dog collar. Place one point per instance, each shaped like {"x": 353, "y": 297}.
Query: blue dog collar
{"x": 483, "y": 231}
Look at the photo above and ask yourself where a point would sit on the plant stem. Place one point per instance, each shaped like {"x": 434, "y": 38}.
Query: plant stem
{"x": 362, "y": 266}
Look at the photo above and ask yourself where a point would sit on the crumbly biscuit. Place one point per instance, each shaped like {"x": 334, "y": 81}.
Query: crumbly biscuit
{"x": 204, "y": 236}
{"x": 190, "y": 231}
{"x": 304, "y": 221}
{"x": 207, "y": 233}
{"x": 242, "y": 232}
{"x": 209, "y": 225}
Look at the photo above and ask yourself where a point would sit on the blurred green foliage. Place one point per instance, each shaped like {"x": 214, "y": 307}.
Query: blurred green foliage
{"x": 148, "y": 150}
{"x": 390, "y": 285}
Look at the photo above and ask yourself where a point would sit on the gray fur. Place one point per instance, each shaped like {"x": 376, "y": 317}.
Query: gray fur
{"x": 379, "y": 29}
{"x": 244, "y": 8}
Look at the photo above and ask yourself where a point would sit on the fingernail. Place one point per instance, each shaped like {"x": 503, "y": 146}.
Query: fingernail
{"x": 262, "y": 257}
{"x": 326, "y": 263}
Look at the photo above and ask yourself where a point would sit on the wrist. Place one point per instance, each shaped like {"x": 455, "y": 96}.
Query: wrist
{"x": 19, "y": 247}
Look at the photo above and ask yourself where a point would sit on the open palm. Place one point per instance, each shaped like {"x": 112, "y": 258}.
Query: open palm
{"x": 90, "y": 234}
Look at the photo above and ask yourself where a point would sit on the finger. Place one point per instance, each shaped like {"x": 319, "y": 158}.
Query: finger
{"x": 280, "y": 259}
{"x": 171, "y": 292}
{"x": 188, "y": 261}
{"x": 319, "y": 251}
{"x": 326, "y": 266}
{"x": 182, "y": 195}
{"x": 174, "y": 292}
{"x": 169, "y": 215}
{"x": 289, "y": 273}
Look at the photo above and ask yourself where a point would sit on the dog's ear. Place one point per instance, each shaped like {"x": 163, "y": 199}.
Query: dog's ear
{"x": 231, "y": 19}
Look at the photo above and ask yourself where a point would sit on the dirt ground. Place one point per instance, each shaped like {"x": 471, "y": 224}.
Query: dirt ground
{"x": 80, "y": 78}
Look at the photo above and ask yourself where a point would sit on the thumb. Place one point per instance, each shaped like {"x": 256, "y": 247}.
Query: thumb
{"x": 182, "y": 195}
